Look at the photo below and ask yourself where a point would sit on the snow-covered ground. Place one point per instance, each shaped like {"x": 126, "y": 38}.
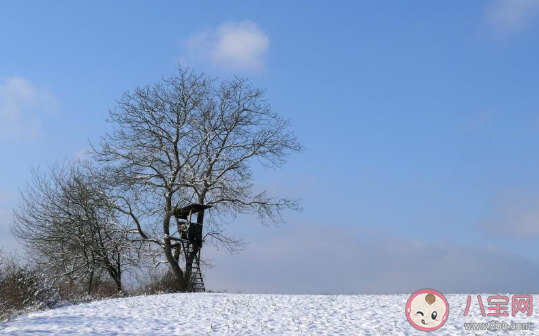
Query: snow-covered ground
{"x": 241, "y": 314}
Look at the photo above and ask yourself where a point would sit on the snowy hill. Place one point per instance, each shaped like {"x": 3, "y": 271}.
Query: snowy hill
{"x": 237, "y": 314}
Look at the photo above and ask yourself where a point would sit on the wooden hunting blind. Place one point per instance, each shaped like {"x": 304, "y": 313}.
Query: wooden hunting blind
{"x": 191, "y": 241}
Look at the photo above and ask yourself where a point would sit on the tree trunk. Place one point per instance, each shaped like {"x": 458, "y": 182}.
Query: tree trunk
{"x": 90, "y": 282}
{"x": 174, "y": 266}
{"x": 173, "y": 262}
{"x": 116, "y": 275}
{"x": 118, "y": 281}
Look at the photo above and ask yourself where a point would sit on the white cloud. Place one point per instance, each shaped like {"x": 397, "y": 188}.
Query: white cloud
{"x": 313, "y": 259}
{"x": 6, "y": 196}
{"x": 511, "y": 16}
{"x": 83, "y": 153}
{"x": 7, "y": 241}
{"x": 236, "y": 46}
{"x": 517, "y": 215}
{"x": 22, "y": 104}
{"x": 7, "y": 202}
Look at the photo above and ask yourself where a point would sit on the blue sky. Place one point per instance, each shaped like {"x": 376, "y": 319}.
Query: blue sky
{"x": 420, "y": 122}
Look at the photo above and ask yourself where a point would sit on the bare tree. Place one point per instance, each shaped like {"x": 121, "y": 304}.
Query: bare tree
{"x": 66, "y": 223}
{"x": 191, "y": 139}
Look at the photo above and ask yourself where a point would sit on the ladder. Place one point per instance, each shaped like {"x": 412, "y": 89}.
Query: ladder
{"x": 192, "y": 257}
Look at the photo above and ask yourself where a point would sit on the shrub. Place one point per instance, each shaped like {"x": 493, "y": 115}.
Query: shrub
{"x": 23, "y": 289}
{"x": 158, "y": 283}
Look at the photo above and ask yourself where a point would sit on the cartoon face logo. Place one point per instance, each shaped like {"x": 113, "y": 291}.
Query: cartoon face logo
{"x": 427, "y": 310}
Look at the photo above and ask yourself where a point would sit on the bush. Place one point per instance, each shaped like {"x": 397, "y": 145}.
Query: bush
{"x": 158, "y": 283}
{"x": 23, "y": 289}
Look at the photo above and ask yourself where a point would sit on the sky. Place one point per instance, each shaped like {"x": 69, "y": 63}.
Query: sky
{"x": 420, "y": 123}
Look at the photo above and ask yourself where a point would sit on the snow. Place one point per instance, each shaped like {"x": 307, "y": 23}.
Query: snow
{"x": 246, "y": 314}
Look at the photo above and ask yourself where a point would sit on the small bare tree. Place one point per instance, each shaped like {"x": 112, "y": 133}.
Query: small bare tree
{"x": 191, "y": 139}
{"x": 66, "y": 223}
